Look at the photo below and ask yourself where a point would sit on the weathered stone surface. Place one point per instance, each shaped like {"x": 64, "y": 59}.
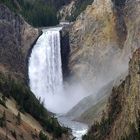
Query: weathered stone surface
{"x": 16, "y": 38}
{"x": 130, "y": 101}
{"x": 65, "y": 50}
{"x": 66, "y": 11}
{"x": 123, "y": 110}
{"x": 101, "y": 40}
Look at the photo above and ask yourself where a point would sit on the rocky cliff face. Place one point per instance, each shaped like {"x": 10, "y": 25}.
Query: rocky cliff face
{"x": 123, "y": 115}
{"x": 65, "y": 50}
{"x": 73, "y": 9}
{"x": 102, "y": 39}
{"x": 16, "y": 38}
{"x": 129, "y": 95}
{"x": 66, "y": 11}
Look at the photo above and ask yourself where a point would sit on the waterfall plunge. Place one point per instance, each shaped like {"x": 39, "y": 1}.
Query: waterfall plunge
{"x": 45, "y": 72}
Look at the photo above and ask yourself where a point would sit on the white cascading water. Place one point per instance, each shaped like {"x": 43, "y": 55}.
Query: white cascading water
{"x": 45, "y": 70}
{"x": 45, "y": 74}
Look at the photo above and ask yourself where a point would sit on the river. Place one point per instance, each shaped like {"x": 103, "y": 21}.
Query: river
{"x": 78, "y": 129}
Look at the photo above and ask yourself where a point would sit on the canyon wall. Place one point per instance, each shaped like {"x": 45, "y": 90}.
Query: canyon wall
{"x": 72, "y": 10}
{"x": 121, "y": 120}
{"x": 16, "y": 38}
{"x": 101, "y": 41}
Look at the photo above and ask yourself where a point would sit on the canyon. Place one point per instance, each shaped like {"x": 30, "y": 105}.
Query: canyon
{"x": 95, "y": 59}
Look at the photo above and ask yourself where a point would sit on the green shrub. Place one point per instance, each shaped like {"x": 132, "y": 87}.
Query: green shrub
{"x": 18, "y": 117}
{"x": 2, "y": 102}
{"x": 42, "y": 136}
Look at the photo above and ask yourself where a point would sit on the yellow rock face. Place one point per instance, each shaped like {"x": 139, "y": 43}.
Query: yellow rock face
{"x": 101, "y": 41}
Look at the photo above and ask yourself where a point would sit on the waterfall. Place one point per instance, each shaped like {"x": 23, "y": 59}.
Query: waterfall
{"x": 45, "y": 74}
{"x": 45, "y": 71}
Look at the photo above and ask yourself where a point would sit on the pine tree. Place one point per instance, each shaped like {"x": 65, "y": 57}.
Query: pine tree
{"x": 4, "y": 119}
{"x": 18, "y": 119}
{"x": 4, "y": 98}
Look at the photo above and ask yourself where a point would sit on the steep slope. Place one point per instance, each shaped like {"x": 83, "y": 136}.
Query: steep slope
{"x": 101, "y": 42}
{"x": 58, "y": 4}
{"x": 95, "y": 44}
{"x": 94, "y": 104}
{"x": 72, "y": 10}
{"x": 122, "y": 120}
{"x": 89, "y": 101}
{"x": 94, "y": 113}
{"x": 28, "y": 128}
{"x": 16, "y": 38}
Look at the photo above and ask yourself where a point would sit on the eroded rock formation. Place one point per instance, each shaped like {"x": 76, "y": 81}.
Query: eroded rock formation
{"x": 16, "y": 38}
{"x": 122, "y": 118}
{"x": 102, "y": 39}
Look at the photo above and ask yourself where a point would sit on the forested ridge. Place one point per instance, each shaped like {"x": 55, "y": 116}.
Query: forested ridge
{"x": 36, "y": 12}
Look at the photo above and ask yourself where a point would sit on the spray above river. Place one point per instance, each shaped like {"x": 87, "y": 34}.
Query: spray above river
{"x": 45, "y": 74}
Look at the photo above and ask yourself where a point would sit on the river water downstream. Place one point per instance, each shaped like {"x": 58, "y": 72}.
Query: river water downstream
{"x": 78, "y": 129}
